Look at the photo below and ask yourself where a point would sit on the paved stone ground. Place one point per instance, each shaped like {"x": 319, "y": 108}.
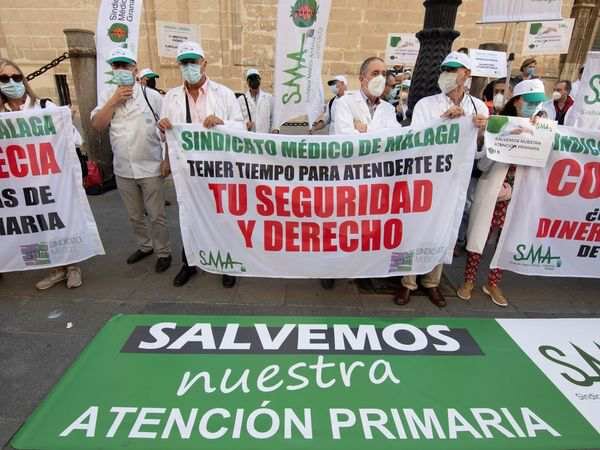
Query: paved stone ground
{"x": 36, "y": 346}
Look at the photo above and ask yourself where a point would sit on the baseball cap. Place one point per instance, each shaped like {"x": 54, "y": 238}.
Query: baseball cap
{"x": 456, "y": 60}
{"x": 189, "y": 50}
{"x": 532, "y": 91}
{"x": 251, "y": 72}
{"x": 341, "y": 78}
{"x": 148, "y": 73}
{"x": 120, "y": 54}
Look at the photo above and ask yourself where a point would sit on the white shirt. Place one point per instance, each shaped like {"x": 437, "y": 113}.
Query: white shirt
{"x": 220, "y": 101}
{"x": 329, "y": 113}
{"x": 261, "y": 110}
{"x": 430, "y": 109}
{"x": 134, "y": 138}
{"x": 353, "y": 106}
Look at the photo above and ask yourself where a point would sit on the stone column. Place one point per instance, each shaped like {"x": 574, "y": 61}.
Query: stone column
{"x": 586, "y": 14}
{"x": 82, "y": 55}
{"x": 436, "y": 39}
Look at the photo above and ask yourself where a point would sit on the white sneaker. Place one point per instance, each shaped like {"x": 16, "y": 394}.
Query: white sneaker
{"x": 56, "y": 276}
{"x": 74, "y": 277}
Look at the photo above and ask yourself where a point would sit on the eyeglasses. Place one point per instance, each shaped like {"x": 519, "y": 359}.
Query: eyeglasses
{"x": 17, "y": 78}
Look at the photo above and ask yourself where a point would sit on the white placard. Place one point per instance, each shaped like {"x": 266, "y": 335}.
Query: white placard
{"x": 401, "y": 48}
{"x": 488, "y": 63}
{"x": 495, "y": 11}
{"x": 585, "y": 113}
{"x": 171, "y": 34}
{"x": 515, "y": 140}
{"x": 548, "y": 38}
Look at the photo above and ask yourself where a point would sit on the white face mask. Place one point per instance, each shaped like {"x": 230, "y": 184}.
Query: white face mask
{"x": 498, "y": 100}
{"x": 556, "y": 96}
{"x": 447, "y": 82}
{"x": 376, "y": 86}
{"x": 334, "y": 89}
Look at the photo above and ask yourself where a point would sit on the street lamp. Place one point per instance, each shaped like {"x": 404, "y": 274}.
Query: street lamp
{"x": 436, "y": 39}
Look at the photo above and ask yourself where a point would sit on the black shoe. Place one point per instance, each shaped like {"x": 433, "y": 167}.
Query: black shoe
{"x": 228, "y": 281}
{"x": 327, "y": 283}
{"x": 184, "y": 275}
{"x": 138, "y": 255}
{"x": 163, "y": 263}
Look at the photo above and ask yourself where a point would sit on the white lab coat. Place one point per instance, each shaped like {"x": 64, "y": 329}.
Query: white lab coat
{"x": 329, "y": 114}
{"x": 353, "y": 106}
{"x": 551, "y": 110}
{"x": 429, "y": 109}
{"x": 220, "y": 102}
{"x": 261, "y": 110}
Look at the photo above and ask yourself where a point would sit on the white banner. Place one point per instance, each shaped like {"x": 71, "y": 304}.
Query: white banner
{"x": 401, "y": 48}
{"x": 373, "y": 205}
{"x": 515, "y": 140}
{"x": 45, "y": 218}
{"x": 520, "y": 10}
{"x": 585, "y": 113}
{"x": 171, "y": 34}
{"x": 301, "y": 32}
{"x": 548, "y": 38}
{"x": 552, "y": 224}
{"x": 488, "y": 63}
{"x": 118, "y": 26}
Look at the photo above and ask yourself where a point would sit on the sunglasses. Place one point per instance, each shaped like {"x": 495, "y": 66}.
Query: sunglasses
{"x": 17, "y": 78}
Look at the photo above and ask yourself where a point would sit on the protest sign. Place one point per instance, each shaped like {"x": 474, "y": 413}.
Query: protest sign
{"x": 45, "y": 218}
{"x": 548, "y": 38}
{"x": 301, "y": 33}
{"x": 585, "y": 113}
{"x": 118, "y": 26}
{"x": 378, "y": 204}
{"x": 401, "y": 48}
{"x": 552, "y": 224}
{"x": 488, "y": 63}
{"x": 495, "y": 11}
{"x": 228, "y": 383}
{"x": 516, "y": 140}
{"x": 171, "y": 34}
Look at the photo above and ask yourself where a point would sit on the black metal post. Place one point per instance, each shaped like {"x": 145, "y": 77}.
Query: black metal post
{"x": 436, "y": 39}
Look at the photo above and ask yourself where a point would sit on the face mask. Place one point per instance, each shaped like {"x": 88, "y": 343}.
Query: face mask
{"x": 528, "y": 109}
{"x": 498, "y": 101}
{"x": 391, "y": 97}
{"x": 447, "y": 82}
{"x": 12, "y": 89}
{"x": 531, "y": 71}
{"x": 254, "y": 82}
{"x": 468, "y": 84}
{"x": 192, "y": 73}
{"x": 376, "y": 86}
{"x": 334, "y": 89}
{"x": 556, "y": 96}
{"x": 123, "y": 77}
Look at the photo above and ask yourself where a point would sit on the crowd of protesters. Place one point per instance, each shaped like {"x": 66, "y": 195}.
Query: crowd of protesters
{"x": 137, "y": 114}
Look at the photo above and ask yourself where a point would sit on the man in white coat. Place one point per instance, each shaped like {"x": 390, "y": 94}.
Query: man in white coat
{"x": 364, "y": 111}
{"x": 338, "y": 86}
{"x": 198, "y": 100}
{"x": 257, "y": 105}
{"x": 451, "y": 103}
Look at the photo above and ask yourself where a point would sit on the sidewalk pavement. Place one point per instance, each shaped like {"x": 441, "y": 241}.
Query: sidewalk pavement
{"x": 41, "y": 333}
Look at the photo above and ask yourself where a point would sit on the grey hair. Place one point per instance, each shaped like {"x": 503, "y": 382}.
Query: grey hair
{"x": 365, "y": 65}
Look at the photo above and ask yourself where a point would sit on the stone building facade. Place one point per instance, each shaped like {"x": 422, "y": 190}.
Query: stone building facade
{"x": 238, "y": 34}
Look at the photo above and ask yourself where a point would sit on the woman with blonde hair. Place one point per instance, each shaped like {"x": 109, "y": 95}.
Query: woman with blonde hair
{"x": 17, "y": 95}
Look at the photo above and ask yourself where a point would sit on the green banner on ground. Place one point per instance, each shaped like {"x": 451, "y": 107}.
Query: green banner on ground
{"x": 226, "y": 382}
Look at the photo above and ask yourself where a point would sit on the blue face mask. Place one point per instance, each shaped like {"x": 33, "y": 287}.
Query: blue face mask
{"x": 528, "y": 109}
{"x": 13, "y": 89}
{"x": 123, "y": 77}
{"x": 391, "y": 97}
{"x": 192, "y": 73}
{"x": 531, "y": 71}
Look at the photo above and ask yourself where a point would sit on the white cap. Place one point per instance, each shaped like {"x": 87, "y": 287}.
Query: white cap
{"x": 148, "y": 73}
{"x": 341, "y": 78}
{"x": 533, "y": 91}
{"x": 120, "y": 54}
{"x": 252, "y": 71}
{"x": 457, "y": 60}
{"x": 189, "y": 50}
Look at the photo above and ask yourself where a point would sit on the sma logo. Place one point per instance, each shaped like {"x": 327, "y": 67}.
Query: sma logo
{"x": 536, "y": 256}
{"x": 583, "y": 378}
{"x": 219, "y": 262}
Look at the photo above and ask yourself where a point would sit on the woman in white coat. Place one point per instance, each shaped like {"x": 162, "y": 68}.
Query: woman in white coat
{"x": 492, "y": 196}
{"x": 17, "y": 95}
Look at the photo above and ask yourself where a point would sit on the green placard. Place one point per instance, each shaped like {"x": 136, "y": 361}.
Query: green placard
{"x": 226, "y": 382}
